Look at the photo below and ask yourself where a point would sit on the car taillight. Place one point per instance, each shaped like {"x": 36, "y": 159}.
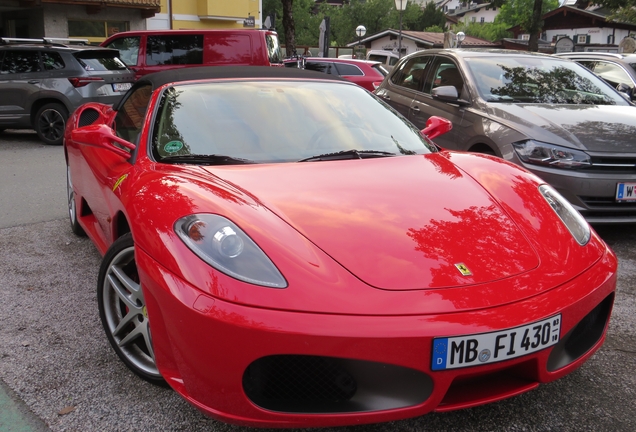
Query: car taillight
{"x": 82, "y": 81}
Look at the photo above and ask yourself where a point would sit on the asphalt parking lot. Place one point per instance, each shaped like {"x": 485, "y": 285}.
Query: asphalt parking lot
{"x": 58, "y": 373}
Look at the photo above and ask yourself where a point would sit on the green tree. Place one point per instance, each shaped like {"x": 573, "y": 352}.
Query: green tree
{"x": 622, "y": 10}
{"x": 490, "y": 31}
{"x": 375, "y": 15}
{"x": 290, "y": 25}
{"x": 431, "y": 17}
{"x": 527, "y": 14}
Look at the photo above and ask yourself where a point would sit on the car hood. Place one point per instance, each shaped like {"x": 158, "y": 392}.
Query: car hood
{"x": 400, "y": 223}
{"x": 596, "y": 128}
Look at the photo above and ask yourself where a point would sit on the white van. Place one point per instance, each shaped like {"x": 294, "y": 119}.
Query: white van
{"x": 387, "y": 58}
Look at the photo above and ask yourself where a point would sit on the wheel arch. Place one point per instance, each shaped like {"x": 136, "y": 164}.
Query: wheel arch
{"x": 482, "y": 147}
{"x": 41, "y": 102}
{"x": 121, "y": 225}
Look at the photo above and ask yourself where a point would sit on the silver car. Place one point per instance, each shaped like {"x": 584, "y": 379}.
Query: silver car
{"x": 619, "y": 70}
{"x": 550, "y": 115}
{"x": 42, "y": 82}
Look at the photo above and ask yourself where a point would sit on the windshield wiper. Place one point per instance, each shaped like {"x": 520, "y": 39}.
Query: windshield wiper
{"x": 213, "y": 159}
{"x": 348, "y": 154}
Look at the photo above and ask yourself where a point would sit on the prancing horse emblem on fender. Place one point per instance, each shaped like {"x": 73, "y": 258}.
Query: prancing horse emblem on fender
{"x": 463, "y": 269}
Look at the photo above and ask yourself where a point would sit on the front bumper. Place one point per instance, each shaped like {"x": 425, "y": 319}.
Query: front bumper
{"x": 591, "y": 193}
{"x": 260, "y": 367}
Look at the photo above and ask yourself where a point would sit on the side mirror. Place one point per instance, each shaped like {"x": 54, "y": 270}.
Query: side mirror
{"x": 448, "y": 94}
{"x": 626, "y": 89}
{"x": 101, "y": 135}
{"x": 436, "y": 126}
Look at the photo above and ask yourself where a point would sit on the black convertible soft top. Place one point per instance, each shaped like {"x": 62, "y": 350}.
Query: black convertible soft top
{"x": 158, "y": 79}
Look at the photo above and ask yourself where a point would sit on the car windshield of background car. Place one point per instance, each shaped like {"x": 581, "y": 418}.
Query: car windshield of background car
{"x": 128, "y": 49}
{"x": 539, "y": 80}
{"x": 278, "y": 121}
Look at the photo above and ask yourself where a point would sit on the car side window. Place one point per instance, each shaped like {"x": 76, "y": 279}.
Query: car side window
{"x": 20, "y": 61}
{"x": 412, "y": 73}
{"x": 323, "y": 67}
{"x": 177, "y": 49}
{"x": 347, "y": 69}
{"x": 610, "y": 72}
{"x": 52, "y": 60}
{"x": 446, "y": 73}
{"x": 130, "y": 117}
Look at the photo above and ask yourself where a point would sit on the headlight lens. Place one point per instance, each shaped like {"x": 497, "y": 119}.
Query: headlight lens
{"x": 572, "y": 219}
{"x": 224, "y": 246}
{"x": 540, "y": 153}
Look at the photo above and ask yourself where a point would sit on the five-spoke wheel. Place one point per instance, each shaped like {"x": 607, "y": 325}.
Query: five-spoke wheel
{"x": 122, "y": 310}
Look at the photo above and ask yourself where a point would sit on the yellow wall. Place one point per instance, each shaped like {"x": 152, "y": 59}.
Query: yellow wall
{"x": 191, "y": 14}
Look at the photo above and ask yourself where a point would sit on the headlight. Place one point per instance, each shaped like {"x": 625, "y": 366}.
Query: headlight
{"x": 224, "y": 246}
{"x": 540, "y": 153}
{"x": 572, "y": 219}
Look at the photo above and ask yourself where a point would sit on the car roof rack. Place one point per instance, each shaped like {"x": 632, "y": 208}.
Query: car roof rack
{"x": 593, "y": 53}
{"x": 44, "y": 40}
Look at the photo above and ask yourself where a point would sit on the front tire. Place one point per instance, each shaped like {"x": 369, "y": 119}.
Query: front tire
{"x": 122, "y": 310}
{"x": 50, "y": 122}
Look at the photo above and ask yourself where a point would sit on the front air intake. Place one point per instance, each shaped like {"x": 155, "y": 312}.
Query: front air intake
{"x": 582, "y": 337}
{"x": 316, "y": 384}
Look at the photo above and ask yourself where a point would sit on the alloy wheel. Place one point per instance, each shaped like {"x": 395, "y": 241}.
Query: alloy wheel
{"x": 124, "y": 314}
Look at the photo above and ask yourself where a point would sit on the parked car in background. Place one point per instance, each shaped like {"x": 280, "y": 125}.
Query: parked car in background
{"x": 619, "y": 70}
{"x": 387, "y": 58}
{"x": 367, "y": 74}
{"x": 550, "y": 115}
{"x": 284, "y": 250}
{"x": 42, "y": 81}
{"x": 150, "y": 51}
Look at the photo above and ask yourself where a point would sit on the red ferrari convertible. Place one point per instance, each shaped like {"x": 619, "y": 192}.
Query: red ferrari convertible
{"x": 285, "y": 250}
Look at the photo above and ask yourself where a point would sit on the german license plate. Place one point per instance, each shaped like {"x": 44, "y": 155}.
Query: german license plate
{"x": 121, "y": 86}
{"x": 484, "y": 348}
{"x": 626, "y": 192}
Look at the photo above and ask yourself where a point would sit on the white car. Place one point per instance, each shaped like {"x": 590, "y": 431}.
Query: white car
{"x": 387, "y": 58}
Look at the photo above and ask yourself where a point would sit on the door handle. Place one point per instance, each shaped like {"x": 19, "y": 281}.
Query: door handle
{"x": 415, "y": 108}
{"x": 34, "y": 81}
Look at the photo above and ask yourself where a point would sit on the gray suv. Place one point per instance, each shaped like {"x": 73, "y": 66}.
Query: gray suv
{"x": 548, "y": 114}
{"x": 42, "y": 82}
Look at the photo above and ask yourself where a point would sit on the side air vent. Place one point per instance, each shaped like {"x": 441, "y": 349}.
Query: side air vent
{"x": 88, "y": 117}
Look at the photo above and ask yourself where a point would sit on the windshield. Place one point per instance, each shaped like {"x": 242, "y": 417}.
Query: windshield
{"x": 539, "y": 80}
{"x": 278, "y": 121}
{"x": 128, "y": 49}
{"x": 273, "y": 49}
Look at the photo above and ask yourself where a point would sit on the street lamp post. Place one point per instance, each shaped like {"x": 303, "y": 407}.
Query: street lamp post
{"x": 400, "y": 5}
{"x": 460, "y": 38}
{"x": 360, "y": 31}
